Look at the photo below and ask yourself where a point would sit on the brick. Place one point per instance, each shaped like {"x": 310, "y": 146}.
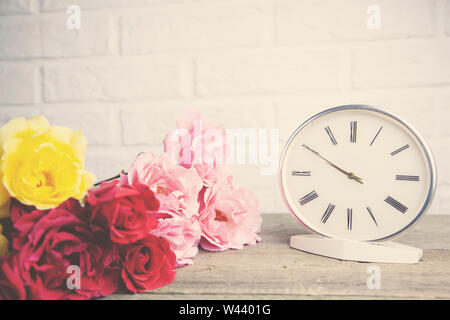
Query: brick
{"x": 106, "y": 162}
{"x": 402, "y": 64}
{"x": 417, "y": 109}
{"x": 93, "y": 38}
{"x": 291, "y": 113}
{"x": 10, "y": 112}
{"x": 99, "y": 124}
{"x": 116, "y": 81}
{"x": 148, "y": 125}
{"x": 443, "y": 200}
{"x": 238, "y": 114}
{"x": 165, "y": 29}
{"x": 18, "y": 85}
{"x": 310, "y": 21}
{"x": 61, "y": 5}
{"x": 441, "y": 150}
{"x": 442, "y": 116}
{"x": 447, "y": 18}
{"x": 268, "y": 73}
{"x": 19, "y": 39}
{"x": 52, "y": 38}
{"x": 15, "y": 6}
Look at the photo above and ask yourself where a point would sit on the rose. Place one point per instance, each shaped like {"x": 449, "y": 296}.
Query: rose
{"x": 229, "y": 217}
{"x": 147, "y": 264}
{"x": 175, "y": 187}
{"x": 41, "y": 165}
{"x": 48, "y": 242}
{"x": 197, "y": 143}
{"x": 183, "y": 236}
{"x": 24, "y": 218}
{"x": 12, "y": 286}
{"x": 124, "y": 210}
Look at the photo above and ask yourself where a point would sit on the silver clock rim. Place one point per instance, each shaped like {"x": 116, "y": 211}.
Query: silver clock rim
{"x": 415, "y": 133}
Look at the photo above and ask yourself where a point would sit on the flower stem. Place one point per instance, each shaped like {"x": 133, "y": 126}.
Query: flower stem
{"x": 112, "y": 178}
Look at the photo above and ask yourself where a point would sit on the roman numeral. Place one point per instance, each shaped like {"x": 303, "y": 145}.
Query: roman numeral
{"x": 397, "y": 205}
{"x": 309, "y": 197}
{"x": 406, "y": 178}
{"x": 372, "y": 216}
{"x": 301, "y": 173}
{"x": 330, "y": 134}
{"x": 327, "y": 213}
{"x": 373, "y": 140}
{"x": 349, "y": 219}
{"x": 393, "y": 153}
{"x": 353, "y": 130}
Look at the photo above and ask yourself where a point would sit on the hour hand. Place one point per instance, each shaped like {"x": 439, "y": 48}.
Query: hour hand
{"x": 350, "y": 175}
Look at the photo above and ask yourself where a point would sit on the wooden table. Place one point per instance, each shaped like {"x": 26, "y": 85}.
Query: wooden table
{"x": 272, "y": 270}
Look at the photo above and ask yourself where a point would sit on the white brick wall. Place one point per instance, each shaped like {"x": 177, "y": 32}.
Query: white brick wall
{"x": 135, "y": 64}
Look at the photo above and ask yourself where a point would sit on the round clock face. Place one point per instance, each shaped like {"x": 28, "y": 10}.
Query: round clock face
{"x": 356, "y": 172}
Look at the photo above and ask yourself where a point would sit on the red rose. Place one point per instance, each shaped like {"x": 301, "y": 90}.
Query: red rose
{"x": 148, "y": 264}
{"x": 11, "y": 284}
{"x": 23, "y": 218}
{"x": 48, "y": 242}
{"x": 123, "y": 210}
{"x": 18, "y": 210}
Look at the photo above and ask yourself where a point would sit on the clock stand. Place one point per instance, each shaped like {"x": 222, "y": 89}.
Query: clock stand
{"x": 344, "y": 249}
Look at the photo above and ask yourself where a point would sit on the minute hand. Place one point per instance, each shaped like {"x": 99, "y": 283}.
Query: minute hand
{"x": 350, "y": 175}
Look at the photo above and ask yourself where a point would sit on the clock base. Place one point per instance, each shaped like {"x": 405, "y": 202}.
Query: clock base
{"x": 380, "y": 252}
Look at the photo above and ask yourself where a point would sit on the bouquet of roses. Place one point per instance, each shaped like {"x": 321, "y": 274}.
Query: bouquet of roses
{"x": 63, "y": 238}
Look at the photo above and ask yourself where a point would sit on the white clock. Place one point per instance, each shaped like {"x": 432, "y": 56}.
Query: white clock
{"x": 356, "y": 175}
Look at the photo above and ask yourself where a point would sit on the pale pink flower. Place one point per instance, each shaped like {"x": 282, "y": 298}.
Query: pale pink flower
{"x": 176, "y": 187}
{"x": 183, "y": 236}
{"x": 229, "y": 217}
{"x": 197, "y": 143}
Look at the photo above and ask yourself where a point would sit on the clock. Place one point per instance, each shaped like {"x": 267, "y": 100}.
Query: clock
{"x": 358, "y": 175}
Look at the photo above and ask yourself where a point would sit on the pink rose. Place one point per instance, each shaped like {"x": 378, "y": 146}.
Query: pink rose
{"x": 175, "y": 187}
{"x": 197, "y": 143}
{"x": 183, "y": 236}
{"x": 229, "y": 217}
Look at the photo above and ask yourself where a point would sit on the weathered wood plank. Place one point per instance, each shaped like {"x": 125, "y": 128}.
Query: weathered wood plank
{"x": 432, "y": 232}
{"x": 178, "y": 296}
{"x": 272, "y": 270}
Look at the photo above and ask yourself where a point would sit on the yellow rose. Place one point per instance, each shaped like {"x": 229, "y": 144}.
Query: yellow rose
{"x": 42, "y": 165}
{"x": 3, "y": 243}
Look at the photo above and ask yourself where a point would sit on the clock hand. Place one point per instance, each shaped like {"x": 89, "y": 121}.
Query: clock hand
{"x": 350, "y": 175}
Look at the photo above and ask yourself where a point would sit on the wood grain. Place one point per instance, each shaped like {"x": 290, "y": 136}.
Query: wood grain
{"x": 272, "y": 270}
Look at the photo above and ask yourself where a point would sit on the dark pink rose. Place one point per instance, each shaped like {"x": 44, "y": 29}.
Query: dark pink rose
{"x": 124, "y": 210}
{"x": 148, "y": 264}
{"x": 12, "y": 286}
{"x": 48, "y": 242}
